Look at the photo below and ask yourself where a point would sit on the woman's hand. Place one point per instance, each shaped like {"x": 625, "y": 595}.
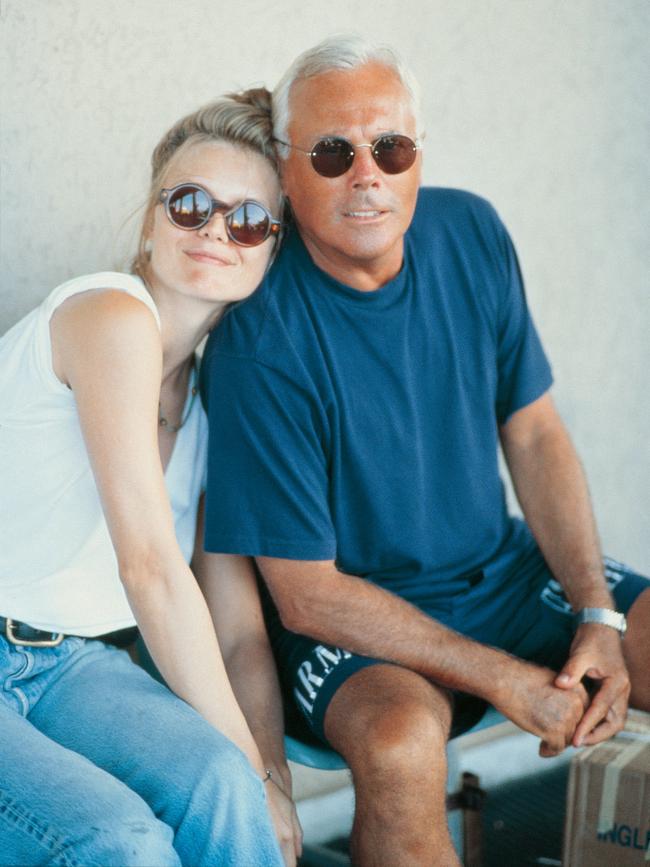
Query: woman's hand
{"x": 285, "y": 820}
{"x": 230, "y": 587}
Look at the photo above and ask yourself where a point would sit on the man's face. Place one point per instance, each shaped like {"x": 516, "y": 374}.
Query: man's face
{"x": 353, "y": 225}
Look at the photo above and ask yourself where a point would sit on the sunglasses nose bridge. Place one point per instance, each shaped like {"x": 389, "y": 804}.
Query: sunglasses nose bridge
{"x": 364, "y": 166}
{"x": 216, "y": 225}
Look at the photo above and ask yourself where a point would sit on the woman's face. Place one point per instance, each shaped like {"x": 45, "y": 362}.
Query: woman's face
{"x": 205, "y": 263}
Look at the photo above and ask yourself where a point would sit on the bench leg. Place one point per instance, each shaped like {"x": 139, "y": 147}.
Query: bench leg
{"x": 469, "y": 801}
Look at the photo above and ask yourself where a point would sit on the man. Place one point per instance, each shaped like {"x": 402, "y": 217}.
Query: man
{"x": 356, "y": 402}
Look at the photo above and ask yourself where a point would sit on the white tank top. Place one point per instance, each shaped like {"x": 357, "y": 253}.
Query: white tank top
{"x": 58, "y": 569}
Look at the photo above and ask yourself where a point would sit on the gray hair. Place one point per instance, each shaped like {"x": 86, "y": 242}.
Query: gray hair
{"x": 337, "y": 52}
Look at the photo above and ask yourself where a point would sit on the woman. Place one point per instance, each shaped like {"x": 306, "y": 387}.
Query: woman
{"x": 102, "y": 443}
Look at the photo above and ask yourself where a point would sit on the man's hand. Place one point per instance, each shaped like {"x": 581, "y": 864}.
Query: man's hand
{"x": 285, "y": 821}
{"x": 597, "y": 653}
{"x": 552, "y": 490}
{"x": 533, "y": 701}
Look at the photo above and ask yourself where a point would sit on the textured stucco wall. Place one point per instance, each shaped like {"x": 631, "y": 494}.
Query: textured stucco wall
{"x": 540, "y": 105}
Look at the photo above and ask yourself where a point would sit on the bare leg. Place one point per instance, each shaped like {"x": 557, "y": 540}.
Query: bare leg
{"x": 391, "y": 726}
{"x": 636, "y": 646}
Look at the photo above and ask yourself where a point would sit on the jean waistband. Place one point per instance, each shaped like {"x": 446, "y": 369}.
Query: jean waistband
{"x": 22, "y": 634}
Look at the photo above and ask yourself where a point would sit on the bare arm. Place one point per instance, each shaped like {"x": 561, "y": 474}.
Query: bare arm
{"x": 552, "y": 490}
{"x": 315, "y": 599}
{"x": 106, "y": 347}
{"x": 230, "y": 588}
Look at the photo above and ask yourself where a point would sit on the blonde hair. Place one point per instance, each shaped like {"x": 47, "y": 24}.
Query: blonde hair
{"x": 242, "y": 119}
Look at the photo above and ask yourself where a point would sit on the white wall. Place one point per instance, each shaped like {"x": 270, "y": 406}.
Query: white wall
{"x": 540, "y": 105}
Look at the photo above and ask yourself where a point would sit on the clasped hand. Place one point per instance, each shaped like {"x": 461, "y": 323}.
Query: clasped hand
{"x": 558, "y": 708}
{"x": 597, "y": 654}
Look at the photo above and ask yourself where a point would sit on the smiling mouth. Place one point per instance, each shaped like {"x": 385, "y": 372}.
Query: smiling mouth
{"x": 209, "y": 258}
{"x": 364, "y": 215}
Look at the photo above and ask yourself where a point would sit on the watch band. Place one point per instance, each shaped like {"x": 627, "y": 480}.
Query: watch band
{"x": 606, "y": 616}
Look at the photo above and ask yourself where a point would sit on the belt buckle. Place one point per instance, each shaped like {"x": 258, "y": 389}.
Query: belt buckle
{"x": 20, "y": 642}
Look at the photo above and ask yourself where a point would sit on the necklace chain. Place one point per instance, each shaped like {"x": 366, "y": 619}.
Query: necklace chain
{"x": 164, "y": 422}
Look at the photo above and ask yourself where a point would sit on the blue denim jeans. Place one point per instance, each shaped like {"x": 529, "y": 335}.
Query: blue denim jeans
{"x": 101, "y": 765}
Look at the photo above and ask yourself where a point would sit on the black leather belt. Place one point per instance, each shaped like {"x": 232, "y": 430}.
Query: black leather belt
{"x": 24, "y": 635}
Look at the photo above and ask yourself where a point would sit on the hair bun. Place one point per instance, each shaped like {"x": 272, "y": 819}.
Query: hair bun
{"x": 256, "y": 97}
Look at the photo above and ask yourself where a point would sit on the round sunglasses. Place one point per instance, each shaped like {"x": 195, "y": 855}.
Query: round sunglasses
{"x": 332, "y": 156}
{"x": 189, "y": 207}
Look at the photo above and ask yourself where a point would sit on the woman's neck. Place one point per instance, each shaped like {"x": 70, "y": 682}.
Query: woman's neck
{"x": 184, "y": 322}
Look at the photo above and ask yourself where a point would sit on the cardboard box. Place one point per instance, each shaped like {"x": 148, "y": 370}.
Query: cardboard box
{"x": 608, "y": 801}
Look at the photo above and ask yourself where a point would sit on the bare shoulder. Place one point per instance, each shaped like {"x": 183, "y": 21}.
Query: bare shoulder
{"x": 101, "y": 322}
{"x": 99, "y": 308}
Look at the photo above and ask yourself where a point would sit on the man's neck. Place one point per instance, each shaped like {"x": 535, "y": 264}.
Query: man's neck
{"x": 365, "y": 275}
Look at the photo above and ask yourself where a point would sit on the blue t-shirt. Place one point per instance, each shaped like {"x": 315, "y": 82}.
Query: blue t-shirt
{"x": 363, "y": 426}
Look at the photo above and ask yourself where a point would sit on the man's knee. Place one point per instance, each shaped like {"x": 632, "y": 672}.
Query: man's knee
{"x": 390, "y": 720}
{"x": 404, "y": 739}
{"x": 636, "y": 647}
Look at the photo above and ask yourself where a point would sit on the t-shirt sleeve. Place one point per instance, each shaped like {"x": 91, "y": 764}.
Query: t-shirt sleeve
{"x": 268, "y": 489}
{"x": 524, "y": 373}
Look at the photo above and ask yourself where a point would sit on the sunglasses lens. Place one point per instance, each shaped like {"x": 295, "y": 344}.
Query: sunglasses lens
{"x": 394, "y": 153}
{"x": 332, "y": 157}
{"x": 188, "y": 207}
{"x": 249, "y": 224}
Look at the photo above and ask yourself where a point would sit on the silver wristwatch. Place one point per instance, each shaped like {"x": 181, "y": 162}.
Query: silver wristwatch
{"x": 605, "y": 616}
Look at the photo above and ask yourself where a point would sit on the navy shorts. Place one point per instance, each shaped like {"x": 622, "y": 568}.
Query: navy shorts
{"x": 527, "y": 615}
